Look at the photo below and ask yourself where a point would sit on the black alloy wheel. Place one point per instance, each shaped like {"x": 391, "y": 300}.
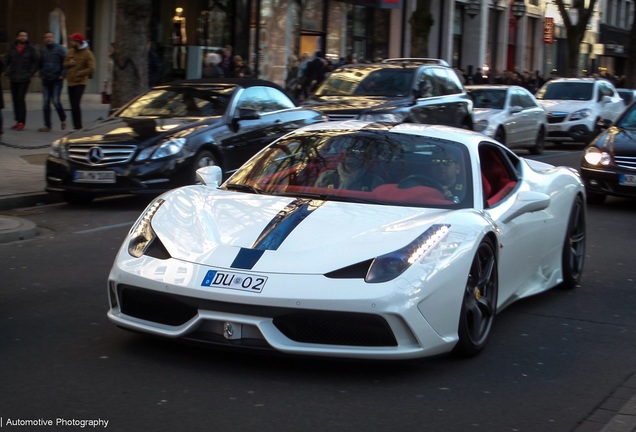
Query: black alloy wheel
{"x": 573, "y": 256}
{"x": 479, "y": 305}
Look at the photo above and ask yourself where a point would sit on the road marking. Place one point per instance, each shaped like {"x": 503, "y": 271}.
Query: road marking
{"x": 103, "y": 228}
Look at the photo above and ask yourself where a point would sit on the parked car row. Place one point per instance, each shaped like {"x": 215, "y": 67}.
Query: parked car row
{"x": 160, "y": 138}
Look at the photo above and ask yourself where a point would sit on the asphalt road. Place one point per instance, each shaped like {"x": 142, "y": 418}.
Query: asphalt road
{"x": 552, "y": 359}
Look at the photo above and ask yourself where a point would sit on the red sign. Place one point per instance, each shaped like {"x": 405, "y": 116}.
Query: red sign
{"x": 548, "y": 30}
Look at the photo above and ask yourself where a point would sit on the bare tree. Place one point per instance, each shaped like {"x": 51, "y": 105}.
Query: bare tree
{"x": 575, "y": 31}
{"x": 130, "y": 58}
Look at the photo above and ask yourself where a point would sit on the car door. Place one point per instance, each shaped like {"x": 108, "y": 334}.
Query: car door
{"x": 254, "y": 121}
{"x": 522, "y": 239}
{"x": 530, "y": 117}
{"x": 453, "y": 105}
{"x": 613, "y": 106}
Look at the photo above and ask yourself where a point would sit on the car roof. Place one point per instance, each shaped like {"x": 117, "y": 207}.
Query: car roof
{"x": 583, "y": 79}
{"x": 230, "y": 82}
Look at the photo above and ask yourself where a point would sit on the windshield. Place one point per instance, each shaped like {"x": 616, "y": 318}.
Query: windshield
{"x": 567, "y": 91}
{"x": 361, "y": 166}
{"x": 628, "y": 119}
{"x": 389, "y": 82}
{"x": 180, "y": 102}
{"x": 489, "y": 98}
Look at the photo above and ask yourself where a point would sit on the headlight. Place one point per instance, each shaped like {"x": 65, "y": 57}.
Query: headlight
{"x": 594, "y": 156}
{"x": 387, "y": 267}
{"x": 581, "y": 114}
{"x": 58, "y": 149}
{"x": 142, "y": 234}
{"x": 384, "y": 117}
{"x": 165, "y": 149}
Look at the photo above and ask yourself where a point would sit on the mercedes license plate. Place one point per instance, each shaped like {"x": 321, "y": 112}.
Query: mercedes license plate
{"x": 627, "y": 179}
{"x": 94, "y": 177}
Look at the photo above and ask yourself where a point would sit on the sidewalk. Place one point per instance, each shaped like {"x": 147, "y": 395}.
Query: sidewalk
{"x": 23, "y": 154}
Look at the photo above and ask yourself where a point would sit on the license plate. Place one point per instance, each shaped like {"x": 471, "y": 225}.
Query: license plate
{"x": 94, "y": 177}
{"x": 554, "y": 128}
{"x": 231, "y": 280}
{"x": 627, "y": 179}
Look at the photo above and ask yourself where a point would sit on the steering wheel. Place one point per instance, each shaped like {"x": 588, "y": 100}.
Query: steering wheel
{"x": 420, "y": 180}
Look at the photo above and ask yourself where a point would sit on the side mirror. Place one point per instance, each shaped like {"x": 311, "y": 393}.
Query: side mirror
{"x": 210, "y": 176}
{"x": 603, "y": 123}
{"x": 526, "y": 202}
{"x": 244, "y": 114}
{"x": 515, "y": 109}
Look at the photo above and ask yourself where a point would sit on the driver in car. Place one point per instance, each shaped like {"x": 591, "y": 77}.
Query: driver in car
{"x": 446, "y": 168}
{"x": 352, "y": 173}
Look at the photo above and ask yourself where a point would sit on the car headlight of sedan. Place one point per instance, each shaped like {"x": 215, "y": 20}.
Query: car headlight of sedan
{"x": 142, "y": 235}
{"x": 384, "y": 117}
{"x": 596, "y": 157}
{"x": 389, "y": 266}
{"x": 58, "y": 149}
{"x": 164, "y": 149}
{"x": 580, "y": 114}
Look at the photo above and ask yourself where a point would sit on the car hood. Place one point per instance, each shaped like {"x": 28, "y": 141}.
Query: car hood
{"x": 564, "y": 105}
{"x": 485, "y": 113}
{"x": 122, "y": 129}
{"x": 298, "y": 235}
{"x": 619, "y": 141}
{"x": 354, "y": 104}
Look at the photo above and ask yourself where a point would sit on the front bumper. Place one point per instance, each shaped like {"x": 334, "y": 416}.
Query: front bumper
{"x": 606, "y": 182}
{"x": 295, "y": 314}
{"x": 569, "y": 131}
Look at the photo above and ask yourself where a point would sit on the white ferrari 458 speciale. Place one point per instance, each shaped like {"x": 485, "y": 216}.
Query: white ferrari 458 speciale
{"x": 353, "y": 239}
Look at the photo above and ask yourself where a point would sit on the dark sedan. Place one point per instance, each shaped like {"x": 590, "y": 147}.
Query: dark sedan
{"x": 163, "y": 136}
{"x": 609, "y": 162}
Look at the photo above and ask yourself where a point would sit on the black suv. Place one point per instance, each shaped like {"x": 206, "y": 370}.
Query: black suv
{"x": 395, "y": 90}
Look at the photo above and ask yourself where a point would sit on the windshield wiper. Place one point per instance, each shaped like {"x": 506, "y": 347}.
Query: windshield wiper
{"x": 243, "y": 188}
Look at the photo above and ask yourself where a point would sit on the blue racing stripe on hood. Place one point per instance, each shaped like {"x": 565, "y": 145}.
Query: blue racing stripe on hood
{"x": 276, "y": 231}
{"x": 285, "y": 222}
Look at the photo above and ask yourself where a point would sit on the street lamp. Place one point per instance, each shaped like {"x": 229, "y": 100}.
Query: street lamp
{"x": 518, "y": 8}
{"x": 472, "y": 7}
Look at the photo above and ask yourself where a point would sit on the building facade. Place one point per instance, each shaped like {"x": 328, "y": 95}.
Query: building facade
{"x": 492, "y": 35}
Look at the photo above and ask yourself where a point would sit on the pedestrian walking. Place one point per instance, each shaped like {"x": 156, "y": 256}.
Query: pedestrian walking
{"x": 52, "y": 73}
{"x": 21, "y": 63}
{"x": 80, "y": 65}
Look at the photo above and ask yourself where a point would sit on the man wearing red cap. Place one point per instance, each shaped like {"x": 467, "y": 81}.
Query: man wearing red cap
{"x": 80, "y": 63}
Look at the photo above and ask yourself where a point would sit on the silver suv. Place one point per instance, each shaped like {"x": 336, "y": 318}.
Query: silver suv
{"x": 575, "y": 105}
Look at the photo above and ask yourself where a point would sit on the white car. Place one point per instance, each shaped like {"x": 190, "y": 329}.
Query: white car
{"x": 510, "y": 114}
{"x": 576, "y": 105}
{"x": 345, "y": 239}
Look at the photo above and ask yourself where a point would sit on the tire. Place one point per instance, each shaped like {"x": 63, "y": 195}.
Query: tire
{"x": 573, "y": 256}
{"x": 202, "y": 159}
{"x": 501, "y": 136}
{"x": 479, "y": 305}
{"x": 539, "y": 146}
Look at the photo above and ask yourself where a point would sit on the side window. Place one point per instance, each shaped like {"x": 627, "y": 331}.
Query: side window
{"x": 279, "y": 100}
{"x": 498, "y": 173}
{"x": 427, "y": 83}
{"x": 263, "y": 99}
{"x": 449, "y": 81}
{"x": 515, "y": 99}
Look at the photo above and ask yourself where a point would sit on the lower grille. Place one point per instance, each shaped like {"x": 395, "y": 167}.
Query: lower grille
{"x": 300, "y": 325}
{"x": 336, "y": 328}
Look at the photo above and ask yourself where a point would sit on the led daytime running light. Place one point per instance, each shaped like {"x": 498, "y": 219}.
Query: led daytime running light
{"x": 142, "y": 234}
